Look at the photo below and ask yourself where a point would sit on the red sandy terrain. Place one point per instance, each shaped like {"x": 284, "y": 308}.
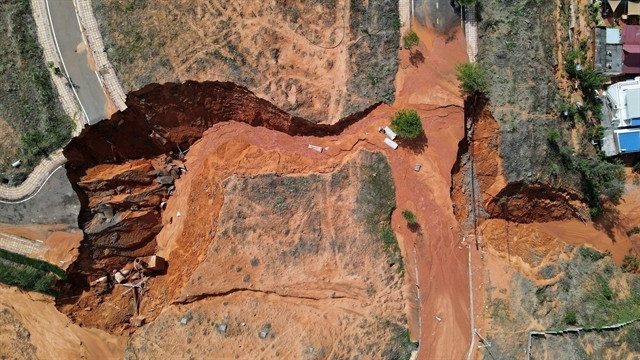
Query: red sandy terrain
{"x": 59, "y": 245}
{"x": 428, "y": 86}
{"x": 32, "y": 327}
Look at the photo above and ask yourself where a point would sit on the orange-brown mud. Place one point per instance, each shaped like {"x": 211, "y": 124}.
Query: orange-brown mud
{"x": 441, "y": 263}
{"x": 236, "y": 148}
{"x": 58, "y": 244}
{"x": 32, "y": 327}
{"x": 529, "y": 244}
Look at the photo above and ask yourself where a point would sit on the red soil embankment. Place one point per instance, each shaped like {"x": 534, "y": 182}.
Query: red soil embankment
{"x": 163, "y": 119}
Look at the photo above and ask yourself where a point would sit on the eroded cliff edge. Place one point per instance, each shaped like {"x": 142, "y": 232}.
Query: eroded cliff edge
{"x": 160, "y": 120}
{"x": 123, "y": 170}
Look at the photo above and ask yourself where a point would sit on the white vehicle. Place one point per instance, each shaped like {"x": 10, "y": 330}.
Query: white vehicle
{"x": 389, "y": 133}
{"x": 392, "y": 144}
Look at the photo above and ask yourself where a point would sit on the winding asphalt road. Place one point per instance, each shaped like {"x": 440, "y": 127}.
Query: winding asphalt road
{"x": 74, "y": 56}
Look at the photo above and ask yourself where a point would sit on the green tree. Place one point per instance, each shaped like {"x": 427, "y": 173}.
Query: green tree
{"x": 407, "y": 123}
{"x": 472, "y": 78}
{"x": 552, "y": 136}
{"x": 601, "y": 178}
{"x": 590, "y": 81}
{"x": 410, "y": 40}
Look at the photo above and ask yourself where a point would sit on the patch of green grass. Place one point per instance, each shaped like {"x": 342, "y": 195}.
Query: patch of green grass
{"x": 27, "y": 278}
{"x": 570, "y": 317}
{"x": 409, "y": 216}
{"x": 28, "y": 101}
{"x": 401, "y": 345}
{"x": 601, "y": 306}
{"x": 34, "y": 263}
{"x": 591, "y": 254}
{"x": 376, "y": 201}
{"x": 410, "y": 40}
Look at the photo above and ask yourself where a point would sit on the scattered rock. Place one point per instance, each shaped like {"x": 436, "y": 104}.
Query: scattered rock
{"x": 119, "y": 277}
{"x": 165, "y": 180}
{"x": 264, "y": 332}
{"x": 185, "y": 320}
{"x": 139, "y": 321}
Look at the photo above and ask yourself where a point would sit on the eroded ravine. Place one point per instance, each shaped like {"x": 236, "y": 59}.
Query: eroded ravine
{"x": 188, "y": 113}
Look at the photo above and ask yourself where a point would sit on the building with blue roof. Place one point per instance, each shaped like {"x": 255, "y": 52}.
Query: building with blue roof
{"x": 628, "y": 140}
{"x": 623, "y": 108}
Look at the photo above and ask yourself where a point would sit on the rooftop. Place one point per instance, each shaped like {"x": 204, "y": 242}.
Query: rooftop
{"x": 608, "y": 51}
{"x": 624, "y": 100}
{"x": 628, "y": 140}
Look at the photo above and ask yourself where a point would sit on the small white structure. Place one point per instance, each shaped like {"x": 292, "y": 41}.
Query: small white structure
{"x": 624, "y": 100}
{"x": 17, "y": 163}
{"x": 390, "y": 133}
{"x": 392, "y": 144}
{"x": 315, "y": 148}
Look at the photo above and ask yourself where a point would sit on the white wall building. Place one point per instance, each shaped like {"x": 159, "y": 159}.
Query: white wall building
{"x": 624, "y": 101}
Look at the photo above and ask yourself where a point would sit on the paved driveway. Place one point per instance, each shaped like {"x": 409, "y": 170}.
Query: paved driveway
{"x": 442, "y": 15}
{"x": 69, "y": 38}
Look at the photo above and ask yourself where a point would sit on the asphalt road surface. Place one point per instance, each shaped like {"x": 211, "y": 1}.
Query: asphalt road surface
{"x": 441, "y": 15}
{"x": 56, "y": 203}
{"x": 74, "y": 54}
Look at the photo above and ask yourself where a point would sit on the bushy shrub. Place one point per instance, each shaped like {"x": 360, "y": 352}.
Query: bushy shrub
{"x": 552, "y": 136}
{"x": 472, "y": 78}
{"x": 410, "y": 40}
{"x": 630, "y": 263}
{"x": 601, "y": 178}
{"x": 407, "y": 123}
{"x": 570, "y": 317}
{"x": 591, "y": 254}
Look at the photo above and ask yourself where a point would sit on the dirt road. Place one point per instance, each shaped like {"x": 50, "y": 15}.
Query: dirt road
{"x": 431, "y": 88}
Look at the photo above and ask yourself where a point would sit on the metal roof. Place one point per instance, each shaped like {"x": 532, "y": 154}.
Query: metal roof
{"x": 629, "y": 141}
{"x": 613, "y": 36}
{"x": 633, "y": 103}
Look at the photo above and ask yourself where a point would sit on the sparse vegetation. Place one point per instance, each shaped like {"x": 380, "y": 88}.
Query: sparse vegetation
{"x": 34, "y": 263}
{"x": 472, "y": 78}
{"x": 249, "y": 53}
{"x": 630, "y": 263}
{"x": 410, "y": 40}
{"x": 376, "y": 199}
{"x": 570, "y": 317}
{"x": 409, "y": 216}
{"x": 401, "y": 345}
{"x": 255, "y": 262}
{"x": 591, "y": 254}
{"x": 30, "y": 110}
{"x": 407, "y": 124}
{"x": 634, "y": 230}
